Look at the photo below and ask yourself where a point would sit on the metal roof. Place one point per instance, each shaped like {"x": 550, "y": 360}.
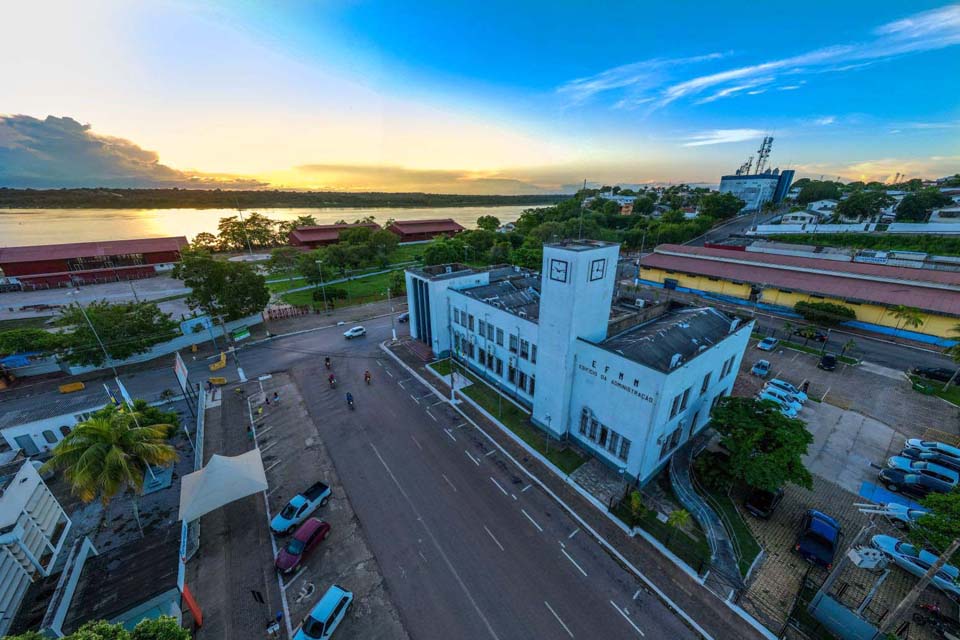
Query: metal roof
{"x": 11, "y": 255}
{"x": 519, "y": 295}
{"x": 50, "y": 405}
{"x": 426, "y": 226}
{"x": 325, "y": 232}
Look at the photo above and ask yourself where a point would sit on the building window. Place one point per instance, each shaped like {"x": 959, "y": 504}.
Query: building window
{"x": 533, "y": 353}
{"x": 49, "y": 436}
{"x": 670, "y": 442}
{"x": 524, "y": 349}
{"x": 522, "y": 383}
{"x": 513, "y": 343}
{"x": 706, "y": 384}
{"x": 499, "y": 337}
{"x": 593, "y": 429}
{"x": 456, "y": 316}
{"x": 533, "y": 383}
{"x": 675, "y": 407}
{"x": 614, "y": 441}
{"x": 511, "y": 374}
{"x": 470, "y": 322}
{"x": 482, "y": 357}
{"x": 499, "y": 367}
{"x": 456, "y": 343}
{"x": 65, "y": 430}
{"x": 683, "y": 400}
{"x": 584, "y": 417}
{"x": 482, "y": 328}
{"x": 624, "y": 448}
{"x": 603, "y": 436}
{"x": 489, "y": 331}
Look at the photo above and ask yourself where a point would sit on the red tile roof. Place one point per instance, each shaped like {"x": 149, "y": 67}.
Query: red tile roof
{"x": 11, "y": 255}
{"x": 426, "y": 226}
{"x": 742, "y": 267}
{"x": 327, "y": 232}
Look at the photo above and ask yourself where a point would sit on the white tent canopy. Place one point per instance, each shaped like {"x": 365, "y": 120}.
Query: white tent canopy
{"x": 222, "y": 481}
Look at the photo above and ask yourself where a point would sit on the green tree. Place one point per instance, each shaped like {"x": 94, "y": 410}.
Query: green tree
{"x": 816, "y": 190}
{"x": 766, "y": 447}
{"x": 643, "y": 205}
{"x": 848, "y": 346}
{"x": 444, "y": 251}
{"x": 499, "y": 253}
{"x": 27, "y": 340}
{"x": 907, "y": 316}
{"x": 861, "y": 205}
{"x": 678, "y": 518}
{"x": 310, "y": 265}
{"x": 915, "y": 207}
{"x": 636, "y": 506}
{"x": 674, "y": 216}
{"x": 808, "y": 333}
{"x": 488, "y": 223}
{"x": 382, "y": 244}
{"x": 941, "y": 524}
{"x": 398, "y": 283}
{"x": 286, "y": 226}
{"x": 205, "y": 241}
{"x": 952, "y": 181}
{"x": 720, "y": 206}
{"x": 218, "y": 287}
{"x": 283, "y": 259}
{"x": 124, "y": 328}
{"x": 827, "y": 313}
{"x": 163, "y": 628}
{"x": 254, "y": 231}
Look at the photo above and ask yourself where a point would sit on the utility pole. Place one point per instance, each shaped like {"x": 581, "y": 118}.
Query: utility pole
{"x": 243, "y": 225}
{"x": 393, "y": 327}
{"x": 907, "y": 603}
{"x": 323, "y": 288}
{"x": 580, "y": 233}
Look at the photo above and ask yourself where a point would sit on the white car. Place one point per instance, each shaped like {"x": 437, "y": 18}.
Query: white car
{"x": 918, "y": 562}
{"x": 354, "y": 332}
{"x": 936, "y": 471}
{"x": 784, "y": 408}
{"x": 789, "y": 388}
{"x": 935, "y": 447}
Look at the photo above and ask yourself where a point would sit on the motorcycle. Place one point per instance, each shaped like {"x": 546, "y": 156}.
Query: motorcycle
{"x": 367, "y": 377}
{"x": 943, "y": 624}
{"x": 350, "y": 401}
{"x": 333, "y": 381}
{"x": 326, "y": 362}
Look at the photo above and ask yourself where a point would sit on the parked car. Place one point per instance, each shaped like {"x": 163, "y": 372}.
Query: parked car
{"x": 326, "y": 615}
{"x": 817, "y": 335}
{"x": 784, "y": 408}
{"x": 901, "y": 516}
{"x": 940, "y": 374}
{"x": 934, "y": 446}
{"x": 762, "y": 368}
{"x": 305, "y": 539}
{"x": 819, "y": 538}
{"x": 931, "y": 456}
{"x": 907, "y": 465}
{"x": 918, "y": 562}
{"x": 789, "y": 388}
{"x": 354, "y": 332}
{"x": 762, "y": 503}
{"x": 403, "y": 317}
{"x": 828, "y": 362}
{"x": 300, "y": 507}
{"x": 912, "y": 484}
{"x": 782, "y": 396}
{"x": 768, "y": 344}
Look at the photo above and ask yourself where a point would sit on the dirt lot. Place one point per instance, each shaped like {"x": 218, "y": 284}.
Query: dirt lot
{"x": 294, "y": 457}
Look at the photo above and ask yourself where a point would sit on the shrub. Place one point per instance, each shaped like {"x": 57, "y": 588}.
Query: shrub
{"x": 824, "y": 312}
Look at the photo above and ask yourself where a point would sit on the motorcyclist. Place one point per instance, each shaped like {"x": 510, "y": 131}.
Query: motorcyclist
{"x": 367, "y": 376}
{"x": 332, "y": 379}
{"x": 350, "y": 399}
{"x": 326, "y": 362}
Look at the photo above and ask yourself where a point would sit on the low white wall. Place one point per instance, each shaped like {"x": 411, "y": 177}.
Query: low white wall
{"x": 771, "y": 229}
{"x": 939, "y": 228}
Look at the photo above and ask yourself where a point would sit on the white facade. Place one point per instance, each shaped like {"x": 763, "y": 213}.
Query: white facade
{"x": 38, "y": 436}
{"x": 33, "y": 528}
{"x": 754, "y": 190}
{"x": 630, "y": 399}
{"x": 800, "y": 217}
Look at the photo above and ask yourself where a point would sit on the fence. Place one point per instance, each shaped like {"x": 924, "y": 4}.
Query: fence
{"x": 193, "y": 528}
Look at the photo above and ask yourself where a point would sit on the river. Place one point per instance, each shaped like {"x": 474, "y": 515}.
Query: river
{"x": 21, "y": 227}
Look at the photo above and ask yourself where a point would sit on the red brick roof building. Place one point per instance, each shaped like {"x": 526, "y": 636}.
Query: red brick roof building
{"x": 324, "y": 234}
{"x": 421, "y": 230}
{"x": 56, "y": 265}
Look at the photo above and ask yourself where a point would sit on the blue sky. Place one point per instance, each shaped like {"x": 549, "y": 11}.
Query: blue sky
{"x": 509, "y": 97}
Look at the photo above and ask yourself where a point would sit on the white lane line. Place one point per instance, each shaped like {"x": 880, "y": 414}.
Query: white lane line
{"x": 412, "y": 397}
{"x": 514, "y": 496}
{"x": 387, "y": 371}
{"x": 532, "y": 521}
{"x": 565, "y": 627}
{"x": 573, "y": 533}
{"x": 461, "y": 425}
{"x": 431, "y": 415}
{"x": 625, "y": 617}
{"x": 494, "y": 481}
{"x": 490, "y": 533}
{"x": 525, "y": 488}
{"x": 400, "y": 382}
{"x": 562, "y": 546}
{"x": 436, "y": 545}
{"x": 447, "y": 431}
{"x": 438, "y": 402}
{"x": 475, "y": 461}
{"x": 637, "y": 594}
{"x": 417, "y": 442}
{"x": 448, "y": 482}
{"x": 579, "y": 568}
{"x": 422, "y": 556}
{"x": 489, "y": 453}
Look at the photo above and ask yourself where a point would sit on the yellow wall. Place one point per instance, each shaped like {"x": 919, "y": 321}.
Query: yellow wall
{"x": 935, "y": 325}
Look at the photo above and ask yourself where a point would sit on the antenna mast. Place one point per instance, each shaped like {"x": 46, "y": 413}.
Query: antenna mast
{"x": 763, "y": 153}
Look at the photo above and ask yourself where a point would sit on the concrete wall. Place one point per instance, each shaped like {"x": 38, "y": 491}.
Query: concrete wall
{"x": 772, "y": 229}
{"x": 939, "y": 228}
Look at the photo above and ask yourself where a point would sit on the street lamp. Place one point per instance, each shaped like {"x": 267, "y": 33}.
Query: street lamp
{"x": 323, "y": 288}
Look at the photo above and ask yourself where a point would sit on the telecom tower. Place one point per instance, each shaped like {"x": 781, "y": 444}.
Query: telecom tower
{"x": 763, "y": 153}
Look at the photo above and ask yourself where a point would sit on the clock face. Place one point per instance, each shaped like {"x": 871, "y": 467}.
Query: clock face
{"x": 558, "y": 270}
{"x": 598, "y": 268}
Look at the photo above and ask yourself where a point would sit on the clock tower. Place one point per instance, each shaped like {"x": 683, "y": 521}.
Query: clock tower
{"x": 577, "y": 281}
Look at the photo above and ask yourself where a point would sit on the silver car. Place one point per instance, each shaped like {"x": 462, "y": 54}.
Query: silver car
{"x": 918, "y": 562}
{"x": 943, "y": 474}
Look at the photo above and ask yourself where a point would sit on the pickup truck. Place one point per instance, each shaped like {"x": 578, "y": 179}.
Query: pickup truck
{"x": 300, "y": 507}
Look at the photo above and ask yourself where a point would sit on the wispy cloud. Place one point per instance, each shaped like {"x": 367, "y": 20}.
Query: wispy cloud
{"x": 646, "y": 82}
{"x": 722, "y": 136}
{"x": 825, "y": 120}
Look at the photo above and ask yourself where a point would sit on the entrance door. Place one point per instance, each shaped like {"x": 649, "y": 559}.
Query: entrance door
{"x": 26, "y": 443}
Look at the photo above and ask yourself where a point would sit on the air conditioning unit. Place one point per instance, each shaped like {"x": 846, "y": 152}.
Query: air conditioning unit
{"x": 868, "y": 558}
{"x": 640, "y": 302}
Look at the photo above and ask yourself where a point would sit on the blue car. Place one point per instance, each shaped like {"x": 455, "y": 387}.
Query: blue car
{"x": 784, "y": 408}
{"x": 761, "y": 369}
{"x": 326, "y": 615}
{"x": 789, "y": 388}
{"x": 819, "y": 538}
{"x": 768, "y": 344}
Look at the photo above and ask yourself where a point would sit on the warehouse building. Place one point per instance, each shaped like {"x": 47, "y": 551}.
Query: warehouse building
{"x": 424, "y": 230}
{"x": 778, "y": 282}
{"x": 65, "y": 265}
{"x": 324, "y": 234}
{"x": 631, "y": 398}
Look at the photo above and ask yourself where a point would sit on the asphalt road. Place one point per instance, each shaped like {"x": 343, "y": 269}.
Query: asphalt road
{"x": 732, "y": 227}
{"x": 468, "y": 549}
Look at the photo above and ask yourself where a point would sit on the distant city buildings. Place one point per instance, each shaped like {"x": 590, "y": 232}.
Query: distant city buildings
{"x": 758, "y": 189}
{"x": 629, "y": 391}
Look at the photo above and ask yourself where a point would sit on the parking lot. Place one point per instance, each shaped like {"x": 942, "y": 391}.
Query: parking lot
{"x": 295, "y": 457}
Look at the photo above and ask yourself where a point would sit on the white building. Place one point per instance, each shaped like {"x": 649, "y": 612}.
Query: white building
{"x": 36, "y": 427}
{"x": 33, "y": 527}
{"x": 823, "y": 206}
{"x": 800, "y": 217}
{"x": 630, "y": 399}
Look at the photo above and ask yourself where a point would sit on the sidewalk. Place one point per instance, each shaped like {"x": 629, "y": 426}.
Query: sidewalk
{"x": 707, "y": 610}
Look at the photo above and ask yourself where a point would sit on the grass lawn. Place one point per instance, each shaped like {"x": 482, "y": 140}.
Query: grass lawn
{"x": 952, "y": 394}
{"x": 408, "y": 252}
{"x": 358, "y": 291}
{"x": 695, "y": 551}
{"x": 37, "y": 322}
{"x": 516, "y": 420}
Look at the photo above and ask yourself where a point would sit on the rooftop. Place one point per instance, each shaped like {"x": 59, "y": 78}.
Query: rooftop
{"x": 9, "y": 468}
{"x": 10, "y": 255}
{"x": 674, "y": 338}
{"x": 444, "y": 271}
{"x": 427, "y": 226}
{"x": 517, "y": 293}
{"x": 32, "y": 408}
{"x": 325, "y": 232}
{"x": 580, "y": 245}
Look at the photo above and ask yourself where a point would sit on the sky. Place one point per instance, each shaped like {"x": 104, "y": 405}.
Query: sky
{"x": 456, "y": 97}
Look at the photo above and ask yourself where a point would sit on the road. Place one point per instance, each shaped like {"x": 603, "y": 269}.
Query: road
{"x": 734, "y": 226}
{"x": 468, "y": 548}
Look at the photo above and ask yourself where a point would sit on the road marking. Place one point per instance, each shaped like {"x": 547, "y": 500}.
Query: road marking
{"x": 461, "y": 425}
{"x": 489, "y": 453}
{"x": 494, "y": 538}
{"x": 562, "y": 546}
{"x": 387, "y": 371}
{"x": 532, "y": 521}
{"x": 475, "y": 461}
{"x": 525, "y": 488}
{"x": 579, "y": 568}
{"x": 447, "y": 431}
{"x": 448, "y": 482}
{"x": 504, "y": 491}
{"x": 514, "y": 496}
{"x": 422, "y": 556}
{"x": 573, "y": 533}
{"x": 417, "y": 442}
{"x": 438, "y": 402}
{"x": 436, "y": 546}
{"x": 824, "y": 396}
{"x": 400, "y": 382}
{"x": 621, "y": 611}
{"x": 431, "y": 415}
{"x": 412, "y": 397}
{"x": 637, "y": 594}
{"x": 565, "y": 627}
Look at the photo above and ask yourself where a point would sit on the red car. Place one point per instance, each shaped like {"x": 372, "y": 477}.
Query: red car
{"x": 307, "y": 536}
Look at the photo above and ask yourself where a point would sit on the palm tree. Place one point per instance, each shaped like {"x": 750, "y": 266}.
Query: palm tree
{"x": 907, "y": 316}
{"x": 787, "y": 329}
{"x": 807, "y": 333}
{"x": 108, "y": 454}
{"x": 849, "y": 344}
{"x": 954, "y": 352}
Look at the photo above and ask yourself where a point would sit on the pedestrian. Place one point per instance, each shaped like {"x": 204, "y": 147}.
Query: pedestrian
{"x": 276, "y": 397}
{"x": 266, "y": 400}
{"x": 805, "y": 386}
